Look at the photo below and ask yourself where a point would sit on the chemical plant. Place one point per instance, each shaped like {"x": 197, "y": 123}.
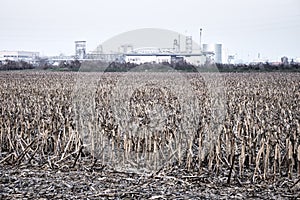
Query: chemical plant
{"x": 179, "y": 49}
{"x": 208, "y": 53}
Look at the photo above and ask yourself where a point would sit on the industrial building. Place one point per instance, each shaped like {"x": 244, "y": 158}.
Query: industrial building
{"x": 80, "y": 49}
{"x": 28, "y": 56}
{"x": 127, "y": 53}
{"x": 210, "y": 53}
{"x": 215, "y": 50}
{"x": 157, "y": 55}
{"x": 146, "y": 46}
{"x": 173, "y": 48}
{"x": 169, "y": 47}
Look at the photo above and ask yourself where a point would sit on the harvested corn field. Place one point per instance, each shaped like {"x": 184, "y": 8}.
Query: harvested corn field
{"x": 149, "y": 135}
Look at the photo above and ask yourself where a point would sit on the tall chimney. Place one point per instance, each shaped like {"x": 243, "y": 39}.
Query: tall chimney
{"x": 200, "y": 40}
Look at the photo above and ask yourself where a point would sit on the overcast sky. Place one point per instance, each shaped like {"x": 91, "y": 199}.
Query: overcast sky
{"x": 245, "y": 27}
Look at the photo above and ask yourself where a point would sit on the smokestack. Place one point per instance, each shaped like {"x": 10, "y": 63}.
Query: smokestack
{"x": 200, "y": 44}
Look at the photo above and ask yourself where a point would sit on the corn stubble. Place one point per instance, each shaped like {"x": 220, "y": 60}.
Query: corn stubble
{"x": 44, "y": 123}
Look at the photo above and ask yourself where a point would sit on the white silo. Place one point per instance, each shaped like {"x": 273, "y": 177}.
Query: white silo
{"x": 216, "y": 49}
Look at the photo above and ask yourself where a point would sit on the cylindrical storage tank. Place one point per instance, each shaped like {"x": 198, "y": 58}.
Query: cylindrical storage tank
{"x": 216, "y": 49}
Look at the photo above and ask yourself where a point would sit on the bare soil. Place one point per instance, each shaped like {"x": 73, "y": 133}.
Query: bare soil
{"x": 101, "y": 182}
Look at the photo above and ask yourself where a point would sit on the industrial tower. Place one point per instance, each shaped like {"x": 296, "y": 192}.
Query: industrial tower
{"x": 80, "y": 49}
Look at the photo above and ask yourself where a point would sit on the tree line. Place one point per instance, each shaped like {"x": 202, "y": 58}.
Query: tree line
{"x": 15, "y": 65}
{"x": 74, "y": 65}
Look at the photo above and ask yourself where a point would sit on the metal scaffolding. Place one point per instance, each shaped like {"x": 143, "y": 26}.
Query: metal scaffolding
{"x": 188, "y": 44}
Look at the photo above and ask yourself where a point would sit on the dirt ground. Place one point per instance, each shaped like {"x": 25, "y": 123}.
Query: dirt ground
{"x": 101, "y": 182}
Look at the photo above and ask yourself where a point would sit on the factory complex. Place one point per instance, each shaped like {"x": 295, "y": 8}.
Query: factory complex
{"x": 179, "y": 49}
